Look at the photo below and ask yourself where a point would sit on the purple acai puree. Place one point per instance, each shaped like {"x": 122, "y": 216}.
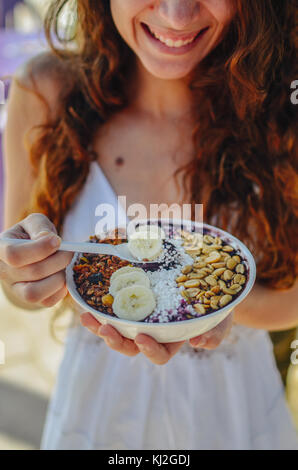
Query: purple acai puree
{"x": 180, "y": 314}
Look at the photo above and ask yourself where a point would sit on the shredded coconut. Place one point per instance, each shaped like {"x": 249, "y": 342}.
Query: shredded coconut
{"x": 163, "y": 283}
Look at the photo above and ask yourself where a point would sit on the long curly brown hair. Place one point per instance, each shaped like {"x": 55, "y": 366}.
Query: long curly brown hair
{"x": 245, "y": 165}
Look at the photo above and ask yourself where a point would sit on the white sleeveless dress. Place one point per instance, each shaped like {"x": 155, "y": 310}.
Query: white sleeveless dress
{"x": 228, "y": 398}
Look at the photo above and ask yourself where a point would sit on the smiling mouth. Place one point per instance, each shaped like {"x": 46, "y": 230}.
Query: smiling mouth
{"x": 173, "y": 43}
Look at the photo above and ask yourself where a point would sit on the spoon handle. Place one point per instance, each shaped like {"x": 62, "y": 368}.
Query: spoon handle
{"x": 83, "y": 247}
{"x": 86, "y": 247}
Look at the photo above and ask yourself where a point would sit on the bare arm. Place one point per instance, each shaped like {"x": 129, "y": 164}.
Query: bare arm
{"x": 269, "y": 309}
{"x": 24, "y": 111}
{"x": 18, "y": 176}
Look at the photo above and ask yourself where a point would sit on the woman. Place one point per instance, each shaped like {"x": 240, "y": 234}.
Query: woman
{"x": 125, "y": 113}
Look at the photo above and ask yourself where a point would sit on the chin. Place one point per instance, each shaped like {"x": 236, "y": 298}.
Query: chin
{"x": 167, "y": 72}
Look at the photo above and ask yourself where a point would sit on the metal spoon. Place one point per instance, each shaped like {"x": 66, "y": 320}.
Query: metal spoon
{"x": 121, "y": 251}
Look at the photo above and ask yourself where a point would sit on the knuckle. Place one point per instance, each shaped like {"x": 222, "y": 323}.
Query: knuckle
{"x": 12, "y": 255}
{"x": 35, "y": 271}
{"x": 36, "y": 215}
{"x": 30, "y": 293}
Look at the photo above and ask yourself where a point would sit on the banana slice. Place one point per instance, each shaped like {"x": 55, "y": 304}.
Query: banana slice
{"x": 145, "y": 244}
{"x": 125, "y": 270}
{"x": 134, "y": 303}
{"x": 128, "y": 279}
{"x": 154, "y": 231}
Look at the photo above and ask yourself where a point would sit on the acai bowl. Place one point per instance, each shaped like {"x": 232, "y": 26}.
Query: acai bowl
{"x": 199, "y": 275}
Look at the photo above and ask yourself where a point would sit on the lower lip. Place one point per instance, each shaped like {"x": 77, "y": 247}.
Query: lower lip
{"x": 173, "y": 50}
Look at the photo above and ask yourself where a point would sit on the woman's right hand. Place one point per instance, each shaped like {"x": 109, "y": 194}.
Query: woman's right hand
{"x": 35, "y": 272}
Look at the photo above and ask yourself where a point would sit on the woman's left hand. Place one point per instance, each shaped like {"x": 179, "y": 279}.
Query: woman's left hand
{"x": 158, "y": 353}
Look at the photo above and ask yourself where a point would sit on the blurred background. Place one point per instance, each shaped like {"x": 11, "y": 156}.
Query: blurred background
{"x": 32, "y": 355}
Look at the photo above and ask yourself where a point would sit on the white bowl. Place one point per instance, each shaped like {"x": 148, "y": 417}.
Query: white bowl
{"x": 179, "y": 330}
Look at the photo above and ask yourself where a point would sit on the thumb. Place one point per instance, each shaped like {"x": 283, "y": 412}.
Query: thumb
{"x": 38, "y": 226}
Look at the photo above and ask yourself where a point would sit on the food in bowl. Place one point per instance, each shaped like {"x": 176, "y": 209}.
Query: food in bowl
{"x": 192, "y": 275}
{"x": 146, "y": 242}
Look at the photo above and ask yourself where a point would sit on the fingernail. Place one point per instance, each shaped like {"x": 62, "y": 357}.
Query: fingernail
{"x": 143, "y": 347}
{"x": 111, "y": 341}
{"x": 92, "y": 328}
{"x": 199, "y": 342}
{"x": 43, "y": 233}
{"x": 102, "y": 332}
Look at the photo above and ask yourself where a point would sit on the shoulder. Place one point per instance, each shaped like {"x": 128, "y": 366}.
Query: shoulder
{"x": 41, "y": 80}
{"x": 33, "y": 102}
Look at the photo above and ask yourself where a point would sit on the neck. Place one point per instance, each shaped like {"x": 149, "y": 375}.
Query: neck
{"x": 161, "y": 98}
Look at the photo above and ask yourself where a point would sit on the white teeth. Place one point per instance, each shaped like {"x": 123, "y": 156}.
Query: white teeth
{"x": 170, "y": 42}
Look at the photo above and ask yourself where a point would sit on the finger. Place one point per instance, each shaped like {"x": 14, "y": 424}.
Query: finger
{"x": 112, "y": 338}
{"x": 37, "y": 291}
{"x": 28, "y": 253}
{"x": 3, "y": 271}
{"x": 117, "y": 342}
{"x": 88, "y": 321}
{"x": 173, "y": 348}
{"x": 213, "y": 338}
{"x": 157, "y": 353}
{"x": 54, "y": 299}
{"x": 42, "y": 269}
{"x": 32, "y": 227}
{"x": 37, "y": 225}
